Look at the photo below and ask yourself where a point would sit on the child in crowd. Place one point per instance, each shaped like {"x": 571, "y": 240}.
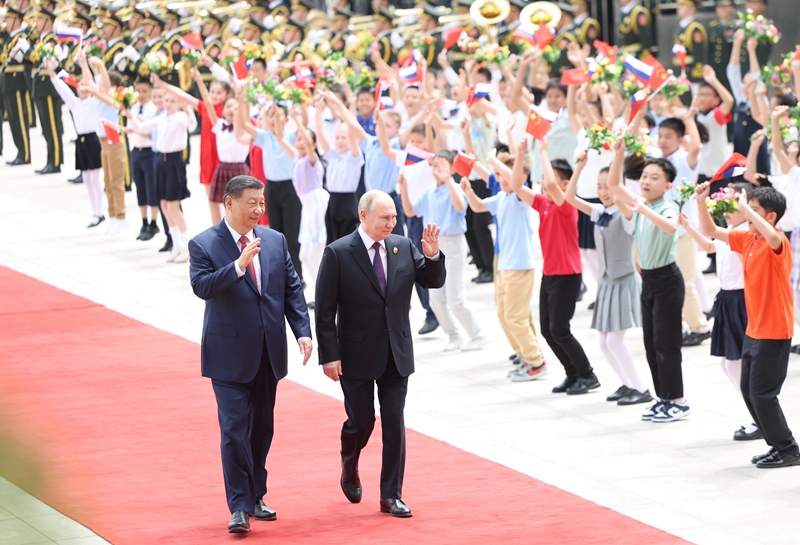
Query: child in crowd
{"x": 655, "y": 235}
{"x": 767, "y": 265}
{"x": 365, "y": 110}
{"x": 157, "y": 97}
{"x": 172, "y": 134}
{"x": 618, "y": 305}
{"x": 446, "y": 206}
{"x": 142, "y": 169}
{"x": 87, "y": 145}
{"x": 561, "y": 273}
{"x": 714, "y": 105}
{"x": 514, "y": 274}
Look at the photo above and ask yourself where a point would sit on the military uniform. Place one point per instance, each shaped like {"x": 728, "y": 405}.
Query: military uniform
{"x": 694, "y": 38}
{"x": 563, "y": 38}
{"x": 508, "y": 38}
{"x": 384, "y": 45}
{"x": 294, "y": 51}
{"x": 635, "y": 31}
{"x": 587, "y": 29}
{"x": 16, "y": 91}
{"x": 48, "y": 103}
{"x": 720, "y": 34}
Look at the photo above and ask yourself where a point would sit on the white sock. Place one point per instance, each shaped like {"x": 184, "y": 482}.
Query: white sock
{"x": 733, "y": 370}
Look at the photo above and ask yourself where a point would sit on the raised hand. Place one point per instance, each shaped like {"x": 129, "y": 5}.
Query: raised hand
{"x": 702, "y": 191}
{"x": 738, "y": 36}
{"x": 465, "y": 187}
{"x": 430, "y": 240}
{"x": 582, "y": 157}
{"x": 249, "y": 252}
{"x": 522, "y": 147}
{"x": 743, "y": 200}
{"x": 758, "y": 137}
{"x": 708, "y": 73}
{"x": 779, "y": 112}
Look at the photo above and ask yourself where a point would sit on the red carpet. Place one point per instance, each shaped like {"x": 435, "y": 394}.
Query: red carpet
{"x": 126, "y": 431}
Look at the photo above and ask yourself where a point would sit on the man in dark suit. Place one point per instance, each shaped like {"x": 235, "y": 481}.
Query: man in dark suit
{"x": 249, "y": 288}
{"x": 362, "y": 299}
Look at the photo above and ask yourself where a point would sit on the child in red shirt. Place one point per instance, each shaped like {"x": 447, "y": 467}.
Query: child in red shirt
{"x": 767, "y": 263}
{"x": 561, "y": 273}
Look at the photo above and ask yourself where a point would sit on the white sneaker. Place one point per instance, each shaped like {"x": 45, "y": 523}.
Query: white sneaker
{"x": 475, "y": 344}
{"x": 118, "y": 226}
{"x": 182, "y": 256}
{"x": 454, "y": 343}
{"x": 110, "y": 225}
{"x": 173, "y": 253}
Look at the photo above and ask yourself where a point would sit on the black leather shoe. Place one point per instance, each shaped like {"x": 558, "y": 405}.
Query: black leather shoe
{"x": 151, "y": 231}
{"x": 49, "y": 169}
{"x": 486, "y": 277}
{"x": 635, "y": 397}
{"x": 167, "y": 245}
{"x": 17, "y": 161}
{"x": 742, "y": 435}
{"x": 780, "y": 459}
{"x": 592, "y": 305}
{"x": 431, "y": 325}
{"x": 561, "y": 388}
{"x": 396, "y": 507}
{"x": 240, "y": 523}
{"x": 96, "y": 221}
{"x": 695, "y": 339}
{"x": 311, "y": 305}
{"x": 351, "y": 486}
{"x": 757, "y": 458}
{"x": 583, "y": 385}
{"x": 795, "y": 349}
{"x": 262, "y": 512}
{"x": 621, "y": 392}
{"x": 142, "y": 231}
{"x": 77, "y": 179}
{"x": 712, "y": 266}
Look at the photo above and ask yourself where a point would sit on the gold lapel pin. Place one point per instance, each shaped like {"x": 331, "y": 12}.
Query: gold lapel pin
{"x": 394, "y": 250}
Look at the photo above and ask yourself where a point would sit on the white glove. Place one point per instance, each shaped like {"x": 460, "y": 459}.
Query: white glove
{"x": 61, "y": 52}
{"x": 235, "y": 25}
{"x": 120, "y": 62}
{"x": 313, "y": 37}
{"x": 351, "y": 40}
{"x": 16, "y": 54}
{"x": 397, "y": 41}
{"x": 23, "y": 45}
{"x": 130, "y": 53}
{"x": 269, "y": 22}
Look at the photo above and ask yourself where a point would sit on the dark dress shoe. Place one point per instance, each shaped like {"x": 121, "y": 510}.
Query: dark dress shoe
{"x": 151, "y": 231}
{"x": 396, "y": 507}
{"x": 583, "y": 290}
{"x": 142, "y": 231}
{"x": 262, "y": 512}
{"x": 635, "y": 397}
{"x": 780, "y": 459}
{"x": 583, "y": 385}
{"x": 167, "y": 247}
{"x": 621, "y": 392}
{"x": 431, "y": 325}
{"x": 77, "y": 179}
{"x": 757, "y": 458}
{"x": 795, "y": 349}
{"x": 592, "y": 305}
{"x": 239, "y": 523}
{"x": 49, "y": 169}
{"x": 18, "y": 161}
{"x": 513, "y": 356}
{"x": 695, "y": 339}
{"x": 351, "y": 486}
{"x": 742, "y": 435}
{"x": 311, "y": 305}
{"x": 561, "y": 388}
{"x": 485, "y": 278}
{"x": 712, "y": 266}
{"x": 96, "y": 221}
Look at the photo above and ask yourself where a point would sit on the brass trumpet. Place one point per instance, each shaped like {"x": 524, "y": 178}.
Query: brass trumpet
{"x": 489, "y": 12}
{"x": 539, "y": 13}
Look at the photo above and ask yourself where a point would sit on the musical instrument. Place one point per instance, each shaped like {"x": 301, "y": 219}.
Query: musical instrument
{"x": 490, "y": 12}
{"x": 538, "y": 13}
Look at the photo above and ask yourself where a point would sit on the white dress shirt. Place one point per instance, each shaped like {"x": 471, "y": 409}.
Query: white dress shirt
{"x": 84, "y": 111}
{"x": 256, "y": 262}
{"x": 368, "y": 242}
{"x": 171, "y": 130}
{"x": 138, "y": 139}
{"x": 229, "y": 149}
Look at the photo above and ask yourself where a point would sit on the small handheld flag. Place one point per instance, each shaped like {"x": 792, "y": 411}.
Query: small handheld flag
{"x": 463, "y": 164}
{"x": 640, "y": 69}
{"x": 240, "y": 69}
{"x": 680, "y": 52}
{"x": 452, "y": 36}
{"x": 477, "y": 92}
{"x": 68, "y": 79}
{"x": 410, "y": 74}
{"x": 193, "y": 40}
{"x": 575, "y": 76}
{"x": 608, "y": 51}
{"x": 66, "y": 35}
{"x": 112, "y": 131}
{"x": 637, "y": 101}
{"x": 543, "y": 36}
{"x": 416, "y": 155}
{"x": 540, "y": 122}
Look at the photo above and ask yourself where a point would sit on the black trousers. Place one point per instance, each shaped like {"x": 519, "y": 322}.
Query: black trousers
{"x": 557, "y": 298}
{"x": 662, "y": 306}
{"x": 341, "y": 218}
{"x": 17, "y": 111}
{"x": 246, "y": 423}
{"x": 31, "y": 110}
{"x": 764, "y": 364}
{"x": 359, "y": 403}
{"x": 144, "y": 176}
{"x": 283, "y": 208}
{"x": 52, "y": 129}
{"x": 479, "y": 238}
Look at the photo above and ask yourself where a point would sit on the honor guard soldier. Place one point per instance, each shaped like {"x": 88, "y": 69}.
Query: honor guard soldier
{"x": 339, "y": 31}
{"x": 565, "y": 35}
{"x": 113, "y": 58}
{"x": 300, "y": 11}
{"x": 635, "y": 29}
{"x": 212, "y": 46}
{"x": 45, "y": 97}
{"x": 507, "y": 29}
{"x": 720, "y": 33}
{"x": 133, "y": 34}
{"x": 16, "y": 84}
{"x": 279, "y": 10}
{"x": 252, "y": 30}
{"x": 153, "y": 28}
{"x": 692, "y": 35}
{"x": 172, "y": 44}
{"x": 428, "y": 26}
{"x": 387, "y": 40}
{"x": 72, "y": 66}
{"x": 461, "y": 7}
{"x": 587, "y": 29}
{"x": 294, "y": 32}
{"x": 764, "y": 50}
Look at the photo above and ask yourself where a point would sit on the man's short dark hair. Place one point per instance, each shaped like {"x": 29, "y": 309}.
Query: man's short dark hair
{"x": 562, "y": 168}
{"x": 770, "y": 199}
{"x": 674, "y": 124}
{"x": 633, "y": 167}
{"x": 236, "y": 186}
{"x": 666, "y": 167}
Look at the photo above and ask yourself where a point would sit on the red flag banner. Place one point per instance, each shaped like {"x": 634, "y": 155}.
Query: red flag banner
{"x": 240, "y": 67}
{"x": 537, "y": 126}
{"x": 463, "y": 164}
{"x": 605, "y": 49}
{"x": 112, "y": 132}
{"x": 575, "y": 76}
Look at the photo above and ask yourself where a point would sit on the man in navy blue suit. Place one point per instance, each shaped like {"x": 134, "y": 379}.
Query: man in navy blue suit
{"x": 245, "y": 275}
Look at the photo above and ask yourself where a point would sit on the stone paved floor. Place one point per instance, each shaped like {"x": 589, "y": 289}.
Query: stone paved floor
{"x": 688, "y": 478}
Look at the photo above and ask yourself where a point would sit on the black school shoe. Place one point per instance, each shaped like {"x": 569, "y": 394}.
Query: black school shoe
{"x": 621, "y": 392}
{"x": 780, "y": 459}
{"x": 583, "y": 385}
{"x": 561, "y": 388}
{"x": 635, "y": 397}
{"x": 742, "y": 435}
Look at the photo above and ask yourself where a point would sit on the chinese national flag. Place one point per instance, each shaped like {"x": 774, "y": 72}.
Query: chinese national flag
{"x": 796, "y": 56}
{"x": 452, "y": 36}
{"x": 660, "y": 75}
{"x": 537, "y": 126}
{"x": 574, "y": 76}
{"x": 463, "y": 164}
{"x": 112, "y": 132}
{"x": 240, "y": 67}
{"x": 609, "y": 51}
{"x": 543, "y": 36}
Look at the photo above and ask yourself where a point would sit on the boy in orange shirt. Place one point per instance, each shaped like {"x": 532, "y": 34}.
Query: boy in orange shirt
{"x": 767, "y": 262}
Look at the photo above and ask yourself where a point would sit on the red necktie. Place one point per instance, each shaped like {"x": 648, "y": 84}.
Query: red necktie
{"x": 250, "y": 267}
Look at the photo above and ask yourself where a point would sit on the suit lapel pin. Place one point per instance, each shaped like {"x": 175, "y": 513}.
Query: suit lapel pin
{"x": 394, "y": 250}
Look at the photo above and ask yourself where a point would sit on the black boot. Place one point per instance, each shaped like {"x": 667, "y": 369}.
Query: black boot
{"x": 167, "y": 245}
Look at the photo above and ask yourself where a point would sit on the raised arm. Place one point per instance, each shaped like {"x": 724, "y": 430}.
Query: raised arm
{"x": 522, "y": 191}
{"x": 734, "y": 69}
{"x": 763, "y": 227}
{"x": 242, "y": 128}
{"x": 623, "y": 196}
{"x": 751, "y": 168}
{"x": 778, "y": 147}
{"x": 572, "y": 108}
{"x": 571, "y": 194}
{"x": 752, "y": 46}
{"x": 694, "y": 136}
{"x": 303, "y": 134}
{"x": 201, "y": 86}
{"x": 177, "y": 91}
{"x": 322, "y": 140}
{"x": 383, "y": 138}
{"x": 549, "y": 182}
{"x": 475, "y": 203}
{"x": 290, "y": 150}
{"x": 455, "y": 196}
{"x": 727, "y": 98}
{"x": 61, "y": 88}
{"x": 408, "y": 210}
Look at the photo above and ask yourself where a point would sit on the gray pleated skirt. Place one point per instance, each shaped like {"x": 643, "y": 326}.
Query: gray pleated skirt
{"x": 618, "y": 305}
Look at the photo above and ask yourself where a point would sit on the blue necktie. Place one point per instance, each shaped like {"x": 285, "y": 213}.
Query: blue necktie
{"x": 603, "y": 220}
{"x": 377, "y": 264}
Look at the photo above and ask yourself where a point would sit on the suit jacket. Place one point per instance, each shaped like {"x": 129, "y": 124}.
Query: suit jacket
{"x": 239, "y": 320}
{"x": 355, "y": 322}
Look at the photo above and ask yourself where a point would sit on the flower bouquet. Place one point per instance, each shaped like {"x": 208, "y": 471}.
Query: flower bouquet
{"x": 366, "y": 43}
{"x": 600, "y": 138}
{"x": 95, "y": 47}
{"x": 331, "y": 70}
{"x": 636, "y": 144}
{"x": 606, "y": 71}
{"x": 124, "y": 97}
{"x": 722, "y": 202}
{"x": 192, "y": 57}
{"x": 158, "y": 62}
{"x": 358, "y": 80}
{"x": 757, "y": 26}
{"x": 228, "y": 56}
{"x": 551, "y": 54}
{"x": 422, "y": 42}
{"x": 254, "y": 92}
{"x": 43, "y": 51}
{"x": 465, "y": 44}
{"x": 675, "y": 88}
{"x": 629, "y": 85}
{"x": 778, "y": 77}
{"x": 296, "y": 96}
{"x": 685, "y": 192}
{"x": 252, "y": 51}
{"x": 788, "y": 125}
{"x": 492, "y": 54}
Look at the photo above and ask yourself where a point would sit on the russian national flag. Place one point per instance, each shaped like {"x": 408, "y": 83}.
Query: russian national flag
{"x": 302, "y": 70}
{"x": 193, "y": 40}
{"x": 417, "y": 155}
{"x": 680, "y": 52}
{"x": 606, "y": 50}
{"x": 637, "y": 101}
{"x": 410, "y": 74}
{"x": 67, "y": 35}
{"x": 68, "y": 79}
{"x": 477, "y": 92}
{"x": 525, "y": 35}
{"x": 382, "y": 85}
{"x": 640, "y": 69}
{"x": 591, "y": 66}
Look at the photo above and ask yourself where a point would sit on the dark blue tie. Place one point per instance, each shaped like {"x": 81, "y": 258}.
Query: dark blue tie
{"x": 604, "y": 219}
{"x": 377, "y": 264}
